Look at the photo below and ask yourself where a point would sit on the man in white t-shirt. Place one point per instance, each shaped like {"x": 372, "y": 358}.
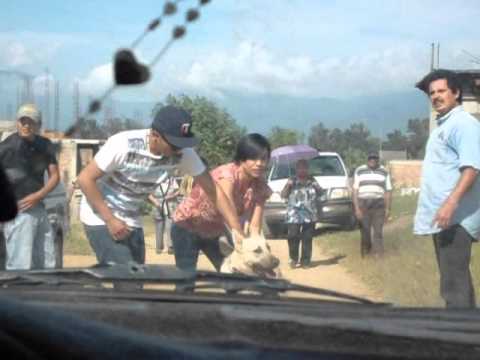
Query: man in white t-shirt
{"x": 126, "y": 170}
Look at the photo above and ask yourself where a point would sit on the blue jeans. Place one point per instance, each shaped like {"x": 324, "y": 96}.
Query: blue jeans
{"x": 30, "y": 241}
{"x": 187, "y": 246}
{"x": 162, "y": 234}
{"x": 108, "y": 250}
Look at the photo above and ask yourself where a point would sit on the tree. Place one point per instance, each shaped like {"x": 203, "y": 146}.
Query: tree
{"x": 91, "y": 129}
{"x": 353, "y": 144}
{"x": 396, "y": 141}
{"x": 88, "y": 129}
{"x": 217, "y": 130}
{"x": 279, "y": 136}
{"x": 320, "y": 138}
{"x": 417, "y": 134}
{"x": 115, "y": 125}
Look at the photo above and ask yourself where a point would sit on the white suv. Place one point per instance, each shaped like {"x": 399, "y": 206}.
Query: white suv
{"x": 330, "y": 172}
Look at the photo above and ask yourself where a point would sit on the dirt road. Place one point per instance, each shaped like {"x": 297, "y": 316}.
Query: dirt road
{"x": 326, "y": 271}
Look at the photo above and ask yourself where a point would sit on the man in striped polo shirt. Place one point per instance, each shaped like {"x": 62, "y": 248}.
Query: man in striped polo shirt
{"x": 371, "y": 199}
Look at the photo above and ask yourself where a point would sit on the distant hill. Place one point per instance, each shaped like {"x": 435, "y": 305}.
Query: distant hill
{"x": 381, "y": 114}
{"x": 259, "y": 113}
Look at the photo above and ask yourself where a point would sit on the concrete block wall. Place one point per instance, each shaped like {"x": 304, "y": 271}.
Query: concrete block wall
{"x": 405, "y": 173}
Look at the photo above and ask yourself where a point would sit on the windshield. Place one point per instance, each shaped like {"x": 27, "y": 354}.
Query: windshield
{"x": 117, "y": 120}
{"x": 319, "y": 166}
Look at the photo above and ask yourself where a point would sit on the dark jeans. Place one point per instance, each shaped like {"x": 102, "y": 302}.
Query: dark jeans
{"x": 108, "y": 250}
{"x": 187, "y": 246}
{"x": 300, "y": 233}
{"x": 373, "y": 218}
{"x": 453, "y": 250}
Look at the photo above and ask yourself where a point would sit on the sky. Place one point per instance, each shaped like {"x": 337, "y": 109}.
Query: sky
{"x": 301, "y": 48}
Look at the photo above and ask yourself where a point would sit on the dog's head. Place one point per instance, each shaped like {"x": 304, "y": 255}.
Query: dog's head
{"x": 255, "y": 258}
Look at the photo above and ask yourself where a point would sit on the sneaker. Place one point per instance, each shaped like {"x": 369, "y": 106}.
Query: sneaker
{"x": 306, "y": 265}
{"x": 292, "y": 264}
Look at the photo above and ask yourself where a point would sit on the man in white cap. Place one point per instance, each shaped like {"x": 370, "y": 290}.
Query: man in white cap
{"x": 26, "y": 156}
{"x": 126, "y": 170}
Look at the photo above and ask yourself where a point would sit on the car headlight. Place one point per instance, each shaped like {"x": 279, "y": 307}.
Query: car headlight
{"x": 275, "y": 197}
{"x": 339, "y": 193}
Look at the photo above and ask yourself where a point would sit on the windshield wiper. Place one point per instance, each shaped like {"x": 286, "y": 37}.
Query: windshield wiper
{"x": 167, "y": 274}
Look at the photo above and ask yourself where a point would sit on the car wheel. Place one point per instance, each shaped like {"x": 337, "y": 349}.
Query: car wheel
{"x": 274, "y": 231}
{"x": 352, "y": 224}
{"x": 267, "y": 231}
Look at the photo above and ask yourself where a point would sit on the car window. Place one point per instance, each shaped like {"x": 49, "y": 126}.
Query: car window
{"x": 326, "y": 166}
{"x": 319, "y": 166}
{"x": 233, "y": 81}
{"x": 282, "y": 171}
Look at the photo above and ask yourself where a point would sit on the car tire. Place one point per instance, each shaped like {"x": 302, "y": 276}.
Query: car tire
{"x": 267, "y": 231}
{"x": 274, "y": 231}
{"x": 352, "y": 224}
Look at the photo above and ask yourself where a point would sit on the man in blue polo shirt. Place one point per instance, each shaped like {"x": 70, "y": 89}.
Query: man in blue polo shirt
{"x": 449, "y": 202}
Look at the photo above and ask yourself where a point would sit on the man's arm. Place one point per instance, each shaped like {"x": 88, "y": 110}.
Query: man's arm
{"x": 223, "y": 203}
{"x": 87, "y": 180}
{"x": 33, "y": 199}
{"x": 444, "y": 215}
{"x": 153, "y": 200}
{"x": 356, "y": 205}
{"x": 388, "y": 203}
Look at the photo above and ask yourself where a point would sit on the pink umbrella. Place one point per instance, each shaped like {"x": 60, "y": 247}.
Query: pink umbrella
{"x": 292, "y": 153}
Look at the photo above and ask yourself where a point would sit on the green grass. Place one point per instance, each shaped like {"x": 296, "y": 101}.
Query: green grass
{"x": 76, "y": 243}
{"x": 408, "y": 274}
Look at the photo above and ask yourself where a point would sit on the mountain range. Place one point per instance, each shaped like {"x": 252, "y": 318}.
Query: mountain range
{"x": 260, "y": 112}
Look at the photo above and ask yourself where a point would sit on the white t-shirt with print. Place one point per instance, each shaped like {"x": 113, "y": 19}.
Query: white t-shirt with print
{"x": 132, "y": 172}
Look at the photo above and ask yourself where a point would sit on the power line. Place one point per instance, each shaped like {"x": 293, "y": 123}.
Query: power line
{"x": 474, "y": 58}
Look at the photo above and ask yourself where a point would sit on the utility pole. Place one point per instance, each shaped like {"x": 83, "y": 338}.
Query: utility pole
{"x": 438, "y": 55}
{"x": 432, "y": 122}
{"x": 76, "y": 102}
{"x": 57, "y": 107}
{"x": 432, "y": 60}
{"x": 10, "y": 115}
{"x": 47, "y": 100}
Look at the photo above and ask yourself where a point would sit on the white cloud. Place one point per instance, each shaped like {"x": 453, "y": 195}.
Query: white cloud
{"x": 27, "y": 48}
{"x": 40, "y": 82}
{"x": 254, "y": 68}
{"x": 97, "y": 81}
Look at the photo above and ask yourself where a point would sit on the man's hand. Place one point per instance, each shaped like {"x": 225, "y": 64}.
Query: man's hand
{"x": 387, "y": 215}
{"x": 117, "y": 228}
{"x": 29, "y": 202}
{"x": 444, "y": 215}
{"x": 359, "y": 213}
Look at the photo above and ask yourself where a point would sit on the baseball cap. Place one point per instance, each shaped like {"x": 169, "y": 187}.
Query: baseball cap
{"x": 373, "y": 155}
{"x": 29, "y": 111}
{"x": 175, "y": 125}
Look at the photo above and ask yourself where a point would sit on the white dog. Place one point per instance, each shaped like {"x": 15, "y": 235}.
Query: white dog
{"x": 255, "y": 258}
